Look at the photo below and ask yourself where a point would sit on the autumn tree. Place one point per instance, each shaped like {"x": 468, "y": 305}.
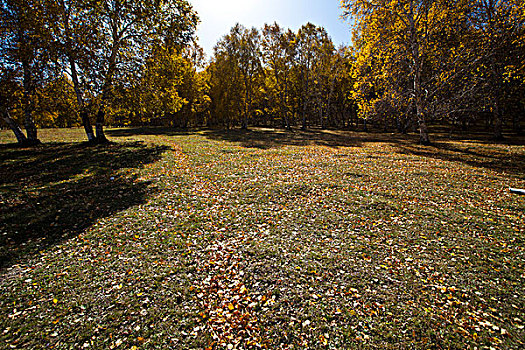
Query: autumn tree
{"x": 107, "y": 42}
{"x": 74, "y": 31}
{"x": 307, "y": 42}
{"x": 437, "y": 60}
{"x": 237, "y": 58}
{"x": 130, "y": 28}
{"x": 278, "y": 55}
{"x": 404, "y": 57}
{"x": 160, "y": 85}
{"x": 498, "y": 27}
{"x": 24, "y": 50}
{"x": 295, "y": 78}
{"x": 340, "y": 105}
{"x": 169, "y": 91}
{"x": 325, "y": 71}
{"x": 195, "y": 88}
{"x": 225, "y": 89}
{"x": 10, "y": 97}
{"x": 245, "y": 45}
{"x": 55, "y": 104}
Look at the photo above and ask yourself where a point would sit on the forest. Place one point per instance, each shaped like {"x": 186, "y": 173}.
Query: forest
{"x": 412, "y": 65}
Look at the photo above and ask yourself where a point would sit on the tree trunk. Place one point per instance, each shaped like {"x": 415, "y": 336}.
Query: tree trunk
{"x": 284, "y": 104}
{"x": 498, "y": 122}
{"x": 101, "y": 137}
{"x": 29, "y": 123}
{"x": 20, "y": 137}
{"x": 321, "y": 119}
{"x": 516, "y": 124}
{"x": 417, "y": 68}
{"x": 286, "y": 118}
{"x": 424, "y": 139}
{"x": 101, "y": 115}
{"x": 80, "y": 100}
{"x": 398, "y": 125}
{"x": 87, "y": 126}
{"x": 332, "y": 88}
{"x": 244, "y": 122}
{"x": 496, "y": 79}
{"x": 306, "y": 100}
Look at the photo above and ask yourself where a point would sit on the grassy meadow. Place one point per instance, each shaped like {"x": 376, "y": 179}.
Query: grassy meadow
{"x": 261, "y": 239}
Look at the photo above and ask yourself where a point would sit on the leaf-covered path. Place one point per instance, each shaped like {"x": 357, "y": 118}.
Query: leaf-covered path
{"x": 265, "y": 239}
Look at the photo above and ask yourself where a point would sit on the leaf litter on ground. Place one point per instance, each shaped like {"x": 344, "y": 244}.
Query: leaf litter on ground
{"x": 379, "y": 244}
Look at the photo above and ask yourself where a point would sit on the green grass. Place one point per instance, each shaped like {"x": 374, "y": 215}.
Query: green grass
{"x": 261, "y": 239}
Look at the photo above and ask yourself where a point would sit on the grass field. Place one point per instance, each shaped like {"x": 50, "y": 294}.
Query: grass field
{"x": 261, "y": 239}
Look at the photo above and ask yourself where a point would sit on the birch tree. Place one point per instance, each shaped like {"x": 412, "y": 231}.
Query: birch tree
{"x": 24, "y": 50}
{"x": 398, "y": 41}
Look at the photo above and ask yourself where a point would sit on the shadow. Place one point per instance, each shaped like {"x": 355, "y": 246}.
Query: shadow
{"x": 474, "y": 149}
{"x": 53, "y": 192}
{"x": 477, "y": 135}
{"x": 485, "y": 155}
{"x": 152, "y": 130}
{"x": 273, "y": 138}
{"x": 256, "y": 137}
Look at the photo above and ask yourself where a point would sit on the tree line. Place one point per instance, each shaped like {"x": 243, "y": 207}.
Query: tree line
{"x": 412, "y": 63}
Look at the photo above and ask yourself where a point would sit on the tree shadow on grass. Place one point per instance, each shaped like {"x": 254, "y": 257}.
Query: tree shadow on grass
{"x": 262, "y": 138}
{"x": 484, "y": 155}
{"x": 478, "y": 153}
{"x": 148, "y": 130}
{"x": 474, "y": 149}
{"x": 53, "y": 192}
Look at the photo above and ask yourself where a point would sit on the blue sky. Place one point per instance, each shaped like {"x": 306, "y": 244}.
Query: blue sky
{"x": 218, "y": 16}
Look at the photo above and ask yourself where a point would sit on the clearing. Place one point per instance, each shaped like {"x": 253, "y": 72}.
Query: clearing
{"x": 261, "y": 239}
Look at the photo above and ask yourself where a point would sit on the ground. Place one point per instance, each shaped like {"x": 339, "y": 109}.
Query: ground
{"x": 261, "y": 239}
